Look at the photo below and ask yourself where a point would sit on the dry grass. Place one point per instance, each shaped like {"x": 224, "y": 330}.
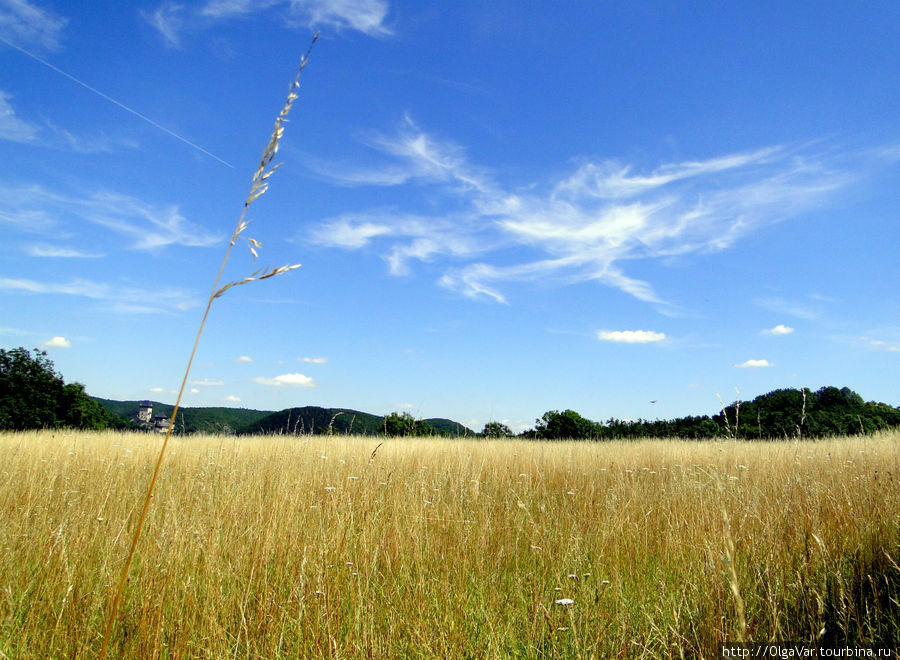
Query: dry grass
{"x": 278, "y": 547}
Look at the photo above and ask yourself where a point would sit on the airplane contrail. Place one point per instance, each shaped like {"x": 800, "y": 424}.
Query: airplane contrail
{"x": 112, "y": 100}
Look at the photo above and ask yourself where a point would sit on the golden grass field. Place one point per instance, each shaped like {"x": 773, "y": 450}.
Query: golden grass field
{"x": 295, "y": 547}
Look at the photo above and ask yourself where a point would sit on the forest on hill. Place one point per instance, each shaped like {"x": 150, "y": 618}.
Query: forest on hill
{"x": 306, "y": 420}
{"x": 344, "y": 421}
{"x": 34, "y": 395}
{"x": 780, "y": 414}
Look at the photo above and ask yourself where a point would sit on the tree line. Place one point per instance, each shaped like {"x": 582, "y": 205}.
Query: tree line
{"x": 33, "y": 395}
{"x": 780, "y": 414}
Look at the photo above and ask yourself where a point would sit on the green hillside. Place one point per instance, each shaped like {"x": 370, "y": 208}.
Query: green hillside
{"x": 315, "y": 420}
{"x": 449, "y": 427}
{"x": 190, "y": 420}
{"x": 305, "y": 420}
{"x": 343, "y": 421}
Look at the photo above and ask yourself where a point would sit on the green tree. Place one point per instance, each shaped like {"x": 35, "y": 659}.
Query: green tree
{"x": 29, "y": 390}
{"x": 34, "y": 396}
{"x": 496, "y": 430}
{"x": 555, "y": 425}
{"x": 404, "y": 424}
{"x": 77, "y": 410}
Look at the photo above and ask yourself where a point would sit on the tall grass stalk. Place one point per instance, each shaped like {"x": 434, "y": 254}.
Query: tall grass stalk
{"x": 259, "y": 185}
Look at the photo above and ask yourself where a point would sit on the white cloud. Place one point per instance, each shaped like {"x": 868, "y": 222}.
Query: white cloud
{"x": 315, "y": 360}
{"x": 24, "y": 25}
{"x": 469, "y": 281}
{"x": 426, "y": 158}
{"x": 114, "y": 298}
{"x": 16, "y": 129}
{"x": 55, "y": 251}
{"x": 207, "y": 382}
{"x": 612, "y": 180}
{"x": 778, "y": 330}
{"x": 631, "y": 336}
{"x": 58, "y": 342}
{"x": 150, "y": 227}
{"x": 244, "y": 358}
{"x": 157, "y": 390}
{"x": 194, "y": 390}
{"x": 414, "y": 237}
{"x": 233, "y": 399}
{"x": 345, "y": 232}
{"x": 168, "y": 19}
{"x": 366, "y": 16}
{"x": 753, "y": 364}
{"x": 60, "y": 138}
{"x": 171, "y": 20}
{"x": 801, "y": 310}
{"x": 226, "y": 9}
{"x": 31, "y": 221}
{"x": 584, "y": 227}
{"x": 882, "y": 345}
{"x": 146, "y": 225}
{"x": 287, "y": 380}
{"x": 12, "y": 127}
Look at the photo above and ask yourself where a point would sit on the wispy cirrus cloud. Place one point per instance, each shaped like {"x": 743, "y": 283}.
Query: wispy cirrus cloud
{"x": 584, "y": 226}
{"x": 881, "y": 345}
{"x": 122, "y": 299}
{"x": 12, "y": 127}
{"x": 27, "y": 220}
{"x": 809, "y": 309}
{"x": 148, "y": 226}
{"x": 58, "y": 252}
{"x": 56, "y": 137}
{"x": 366, "y": 16}
{"x": 413, "y": 237}
{"x": 173, "y": 20}
{"x": 613, "y": 180}
{"x": 25, "y": 24}
{"x": 168, "y": 19}
{"x": 207, "y": 382}
{"x": 418, "y": 158}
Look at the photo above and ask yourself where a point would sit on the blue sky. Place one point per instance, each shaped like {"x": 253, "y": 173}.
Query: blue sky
{"x": 500, "y": 208}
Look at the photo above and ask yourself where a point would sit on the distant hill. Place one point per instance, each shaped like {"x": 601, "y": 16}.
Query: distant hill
{"x": 190, "y": 420}
{"x": 449, "y": 427}
{"x": 305, "y": 420}
{"x": 315, "y": 420}
{"x": 320, "y": 421}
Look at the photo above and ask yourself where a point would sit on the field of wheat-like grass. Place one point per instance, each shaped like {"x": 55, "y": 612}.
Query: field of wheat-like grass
{"x": 287, "y": 547}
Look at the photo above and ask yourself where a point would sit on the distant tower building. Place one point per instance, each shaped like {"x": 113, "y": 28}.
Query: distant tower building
{"x": 145, "y": 413}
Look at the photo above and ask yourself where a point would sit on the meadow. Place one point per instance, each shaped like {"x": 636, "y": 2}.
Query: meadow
{"x": 360, "y": 547}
